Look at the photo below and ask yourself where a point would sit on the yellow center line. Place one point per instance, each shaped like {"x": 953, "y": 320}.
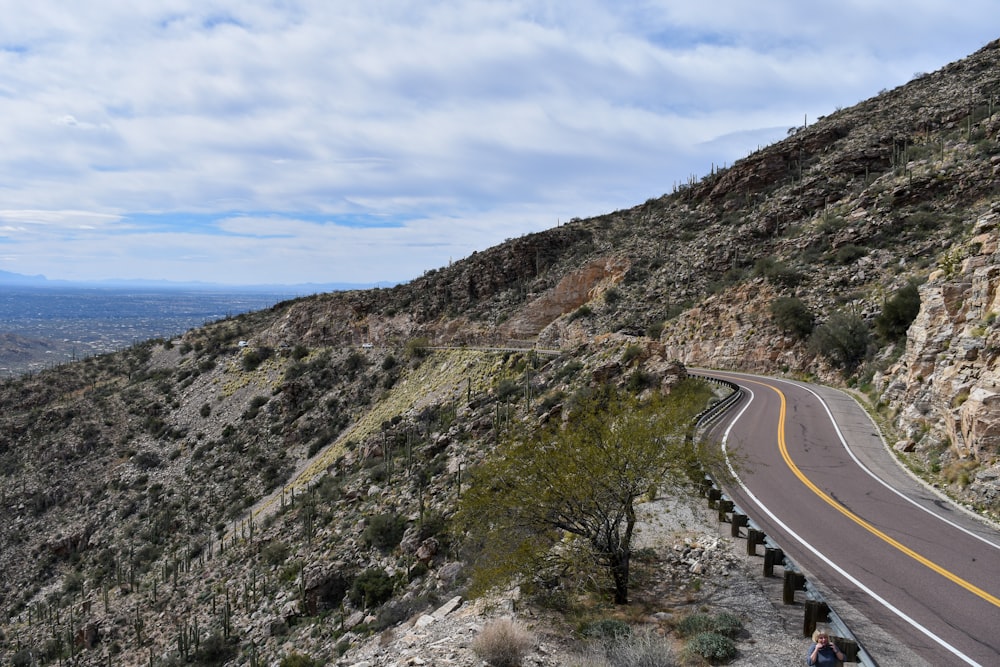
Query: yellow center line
{"x": 972, "y": 588}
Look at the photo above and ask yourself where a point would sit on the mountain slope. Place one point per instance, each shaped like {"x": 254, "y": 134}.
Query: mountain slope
{"x": 129, "y": 479}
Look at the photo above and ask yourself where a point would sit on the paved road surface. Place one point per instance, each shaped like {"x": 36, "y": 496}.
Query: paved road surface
{"x": 817, "y": 478}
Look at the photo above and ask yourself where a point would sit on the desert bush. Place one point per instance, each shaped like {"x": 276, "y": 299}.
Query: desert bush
{"x": 711, "y": 646}
{"x": 959, "y": 472}
{"x": 384, "y": 531}
{"x": 640, "y": 380}
{"x": 848, "y": 253}
{"x": 843, "y": 339}
{"x": 215, "y": 650}
{"x": 655, "y": 329}
{"x": 146, "y": 460}
{"x": 776, "y": 272}
{"x": 792, "y": 315}
{"x": 294, "y": 659}
{"x": 503, "y": 643}
{"x": 582, "y": 311}
{"x": 416, "y": 348}
{"x": 727, "y": 624}
{"x": 693, "y": 624}
{"x": 646, "y": 649}
{"x": 254, "y": 358}
{"x": 371, "y": 588}
{"x": 898, "y": 313}
{"x": 275, "y": 553}
{"x": 631, "y": 353}
{"x": 606, "y": 628}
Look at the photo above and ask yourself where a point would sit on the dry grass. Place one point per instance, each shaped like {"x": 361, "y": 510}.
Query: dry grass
{"x": 503, "y": 643}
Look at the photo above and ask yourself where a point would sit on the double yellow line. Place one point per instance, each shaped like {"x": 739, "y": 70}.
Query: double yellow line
{"x": 972, "y": 588}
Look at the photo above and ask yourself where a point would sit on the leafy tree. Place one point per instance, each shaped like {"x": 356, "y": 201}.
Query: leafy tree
{"x": 843, "y": 339}
{"x": 580, "y": 480}
{"x": 898, "y": 313}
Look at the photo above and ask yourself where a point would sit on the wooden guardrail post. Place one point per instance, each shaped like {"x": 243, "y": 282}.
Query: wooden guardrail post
{"x": 725, "y": 507}
{"x": 739, "y": 521}
{"x": 794, "y": 581}
{"x": 815, "y": 612}
{"x": 714, "y": 495}
{"x": 772, "y": 556}
{"x": 754, "y": 537}
{"x": 848, "y": 647}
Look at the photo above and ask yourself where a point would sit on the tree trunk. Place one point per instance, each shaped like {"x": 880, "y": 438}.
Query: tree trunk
{"x": 619, "y": 566}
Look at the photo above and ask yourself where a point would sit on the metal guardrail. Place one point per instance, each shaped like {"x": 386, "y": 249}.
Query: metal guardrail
{"x": 816, "y": 609}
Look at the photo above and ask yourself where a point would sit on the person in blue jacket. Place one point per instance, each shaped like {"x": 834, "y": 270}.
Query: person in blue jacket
{"x": 824, "y": 653}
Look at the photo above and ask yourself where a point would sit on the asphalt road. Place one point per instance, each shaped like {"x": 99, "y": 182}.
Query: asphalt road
{"x": 817, "y": 478}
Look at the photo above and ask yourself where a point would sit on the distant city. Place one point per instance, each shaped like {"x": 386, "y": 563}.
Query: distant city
{"x": 42, "y": 326}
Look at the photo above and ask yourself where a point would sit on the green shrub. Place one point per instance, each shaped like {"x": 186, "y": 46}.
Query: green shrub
{"x": 631, "y": 353}
{"x": 776, "y": 272}
{"x": 655, "y": 329}
{"x": 503, "y": 643}
{"x": 275, "y": 553}
{"x": 639, "y": 380}
{"x": 607, "y": 628}
{"x": 384, "y": 531}
{"x": 898, "y": 313}
{"x": 294, "y": 659}
{"x": 371, "y": 588}
{"x": 694, "y": 624}
{"x": 793, "y": 316}
{"x": 844, "y": 340}
{"x": 712, "y": 646}
{"x": 254, "y": 358}
{"x": 848, "y": 253}
{"x": 215, "y": 650}
{"x": 582, "y": 311}
{"x": 727, "y": 624}
{"x": 645, "y": 649}
{"x": 416, "y": 348}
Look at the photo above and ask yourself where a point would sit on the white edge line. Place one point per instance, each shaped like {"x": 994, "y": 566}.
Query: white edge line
{"x": 875, "y": 596}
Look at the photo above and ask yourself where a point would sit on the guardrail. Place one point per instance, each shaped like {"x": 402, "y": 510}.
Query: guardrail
{"x": 815, "y": 607}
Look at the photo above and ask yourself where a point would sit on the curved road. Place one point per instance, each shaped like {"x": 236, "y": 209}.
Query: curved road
{"x": 814, "y": 474}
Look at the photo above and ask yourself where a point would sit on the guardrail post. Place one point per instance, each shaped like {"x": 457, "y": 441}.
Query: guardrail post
{"x": 754, "y": 537}
{"x": 714, "y": 495}
{"x": 706, "y": 484}
{"x": 739, "y": 521}
{"x": 848, "y": 647}
{"x": 794, "y": 581}
{"x": 725, "y": 507}
{"x": 772, "y": 556}
{"x": 815, "y": 612}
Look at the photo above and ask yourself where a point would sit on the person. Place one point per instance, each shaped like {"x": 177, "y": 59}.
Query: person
{"x": 823, "y": 652}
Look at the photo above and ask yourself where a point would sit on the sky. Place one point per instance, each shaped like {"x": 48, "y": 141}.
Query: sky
{"x": 337, "y": 141}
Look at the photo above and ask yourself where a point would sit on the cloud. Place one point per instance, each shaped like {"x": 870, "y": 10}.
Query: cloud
{"x": 176, "y": 124}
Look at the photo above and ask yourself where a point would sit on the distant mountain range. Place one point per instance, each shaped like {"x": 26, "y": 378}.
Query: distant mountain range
{"x": 10, "y": 278}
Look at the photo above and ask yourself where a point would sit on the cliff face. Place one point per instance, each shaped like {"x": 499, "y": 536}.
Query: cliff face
{"x": 946, "y": 386}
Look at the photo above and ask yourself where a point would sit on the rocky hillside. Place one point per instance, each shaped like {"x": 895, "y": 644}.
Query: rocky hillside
{"x": 283, "y": 481}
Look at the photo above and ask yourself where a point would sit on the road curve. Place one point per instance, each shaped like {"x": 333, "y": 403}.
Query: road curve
{"x": 815, "y": 475}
